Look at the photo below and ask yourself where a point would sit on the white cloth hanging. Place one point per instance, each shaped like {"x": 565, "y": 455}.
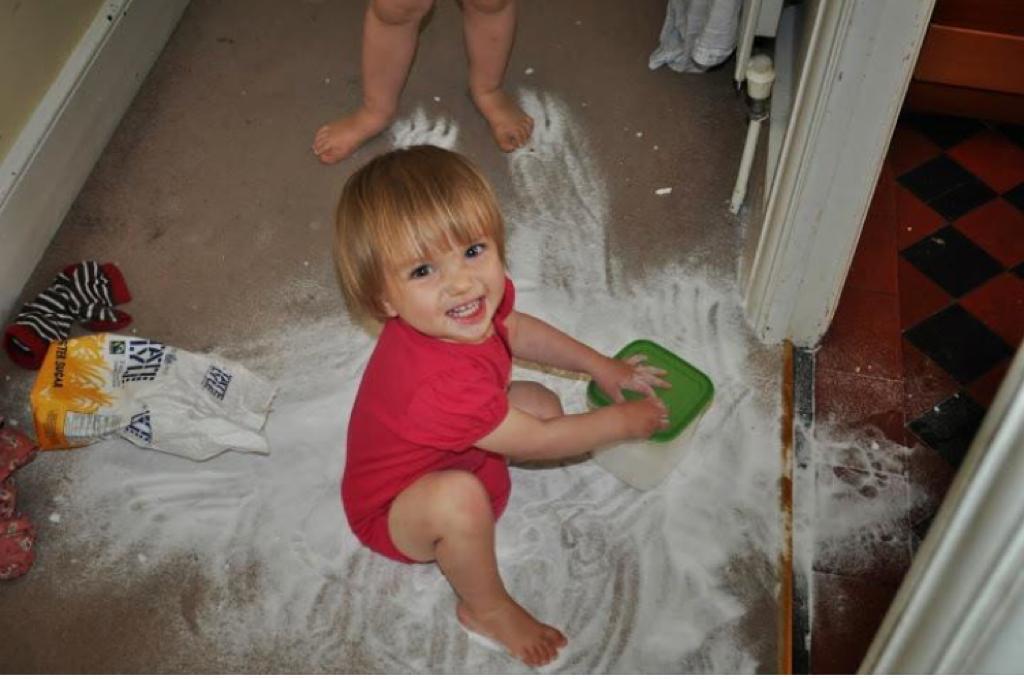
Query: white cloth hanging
{"x": 697, "y": 34}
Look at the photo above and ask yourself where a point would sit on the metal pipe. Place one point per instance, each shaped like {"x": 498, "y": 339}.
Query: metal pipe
{"x": 760, "y": 76}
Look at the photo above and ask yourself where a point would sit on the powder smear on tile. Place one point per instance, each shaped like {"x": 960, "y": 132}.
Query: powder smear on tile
{"x": 855, "y": 501}
{"x": 639, "y": 582}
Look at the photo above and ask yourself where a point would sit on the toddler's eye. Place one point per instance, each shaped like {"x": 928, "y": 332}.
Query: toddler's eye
{"x": 420, "y": 271}
{"x": 475, "y": 250}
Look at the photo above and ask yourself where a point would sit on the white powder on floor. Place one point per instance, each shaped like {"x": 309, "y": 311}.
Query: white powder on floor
{"x": 855, "y": 501}
{"x": 419, "y": 128}
{"x": 559, "y": 216}
{"x": 681, "y": 578}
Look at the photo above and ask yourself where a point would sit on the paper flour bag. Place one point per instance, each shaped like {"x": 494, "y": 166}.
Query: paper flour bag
{"x": 154, "y": 395}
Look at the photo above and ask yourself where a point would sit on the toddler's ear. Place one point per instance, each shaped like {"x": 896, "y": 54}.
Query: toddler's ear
{"x": 388, "y": 309}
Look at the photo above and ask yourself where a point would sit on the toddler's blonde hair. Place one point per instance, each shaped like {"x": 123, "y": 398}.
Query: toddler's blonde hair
{"x": 406, "y": 204}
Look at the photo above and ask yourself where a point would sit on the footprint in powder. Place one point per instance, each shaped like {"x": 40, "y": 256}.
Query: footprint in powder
{"x": 421, "y": 129}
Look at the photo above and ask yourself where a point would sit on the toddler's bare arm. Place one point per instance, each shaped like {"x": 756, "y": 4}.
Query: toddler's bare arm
{"x": 535, "y": 340}
{"x": 521, "y": 436}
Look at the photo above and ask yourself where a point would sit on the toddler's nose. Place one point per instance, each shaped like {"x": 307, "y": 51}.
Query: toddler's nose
{"x": 458, "y": 280}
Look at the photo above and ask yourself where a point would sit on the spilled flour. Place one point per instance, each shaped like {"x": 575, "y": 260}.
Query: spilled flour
{"x": 681, "y": 578}
{"x": 855, "y": 502}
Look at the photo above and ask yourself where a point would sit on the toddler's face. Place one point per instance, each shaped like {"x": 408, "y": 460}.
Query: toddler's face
{"x": 449, "y": 295}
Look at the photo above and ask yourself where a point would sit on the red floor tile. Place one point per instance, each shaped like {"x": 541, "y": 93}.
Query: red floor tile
{"x": 914, "y": 219}
{"x": 983, "y": 390}
{"x": 847, "y": 614}
{"x": 864, "y": 337}
{"x": 874, "y": 263}
{"x": 851, "y": 401}
{"x": 908, "y": 149}
{"x": 919, "y": 296}
{"x": 993, "y": 158}
{"x": 999, "y": 304}
{"x": 924, "y": 383}
{"x": 883, "y": 199}
{"x": 998, "y": 227}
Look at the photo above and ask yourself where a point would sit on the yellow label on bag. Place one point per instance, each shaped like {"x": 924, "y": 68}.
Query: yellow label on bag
{"x": 71, "y": 392}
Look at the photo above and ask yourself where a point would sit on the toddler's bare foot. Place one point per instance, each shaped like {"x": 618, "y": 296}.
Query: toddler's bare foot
{"x": 338, "y": 139}
{"x": 520, "y": 633}
{"x": 510, "y": 126}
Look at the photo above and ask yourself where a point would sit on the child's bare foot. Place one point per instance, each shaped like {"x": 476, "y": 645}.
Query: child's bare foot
{"x": 510, "y": 126}
{"x": 520, "y": 633}
{"x": 338, "y": 139}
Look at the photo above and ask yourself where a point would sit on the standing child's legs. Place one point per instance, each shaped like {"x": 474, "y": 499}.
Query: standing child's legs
{"x": 390, "y": 33}
{"x": 490, "y": 26}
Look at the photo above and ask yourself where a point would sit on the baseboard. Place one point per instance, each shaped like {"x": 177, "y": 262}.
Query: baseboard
{"x": 56, "y": 150}
{"x": 967, "y": 102}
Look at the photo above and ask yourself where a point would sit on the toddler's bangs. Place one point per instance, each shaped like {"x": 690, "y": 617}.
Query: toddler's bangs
{"x": 437, "y": 227}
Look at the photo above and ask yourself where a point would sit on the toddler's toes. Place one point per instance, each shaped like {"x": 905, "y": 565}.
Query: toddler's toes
{"x": 555, "y": 637}
{"x": 320, "y": 141}
{"x": 525, "y": 130}
{"x": 508, "y": 142}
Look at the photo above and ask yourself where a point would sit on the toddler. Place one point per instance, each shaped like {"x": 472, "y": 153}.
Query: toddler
{"x": 420, "y": 246}
{"x": 390, "y": 33}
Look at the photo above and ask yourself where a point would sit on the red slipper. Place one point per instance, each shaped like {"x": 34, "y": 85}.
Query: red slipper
{"x": 17, "y": 537}
{"x": 8, "y": 496}
{"x": 16, "y": 450}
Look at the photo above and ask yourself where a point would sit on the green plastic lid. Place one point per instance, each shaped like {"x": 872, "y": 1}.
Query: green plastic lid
{"x": 690, "y": 394}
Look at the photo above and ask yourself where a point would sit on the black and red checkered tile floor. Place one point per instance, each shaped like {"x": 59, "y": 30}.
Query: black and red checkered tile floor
{"x": 931, "y": 313}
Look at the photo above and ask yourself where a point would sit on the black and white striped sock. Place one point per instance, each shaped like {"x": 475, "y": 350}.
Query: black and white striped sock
{"x": 85, "y": 292}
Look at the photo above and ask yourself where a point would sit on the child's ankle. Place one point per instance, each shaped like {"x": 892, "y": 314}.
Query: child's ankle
{"x": 376, "y": 114}
{"x": 478, "y": 92}
{"x": 490, "y": 608}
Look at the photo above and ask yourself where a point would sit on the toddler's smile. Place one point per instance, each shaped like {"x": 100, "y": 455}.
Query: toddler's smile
{"x": 470, "y": 312}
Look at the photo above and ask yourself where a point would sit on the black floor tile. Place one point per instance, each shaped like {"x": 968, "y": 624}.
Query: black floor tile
{"x": 920, "y": 530}
{"x": 938, "y": 176}
{"x": 1013, "y": 132}
{"x": 956, "y": 203}
{"x": 952, "y": 260}
{"x": 1016, "y": 196}
{"x": 946, "y": 131}
{"x": 950, "y": 427}
{"x": 962, "y": 345}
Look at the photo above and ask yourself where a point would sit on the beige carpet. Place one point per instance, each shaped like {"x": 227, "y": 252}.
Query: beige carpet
{"x": 209, "y": 199}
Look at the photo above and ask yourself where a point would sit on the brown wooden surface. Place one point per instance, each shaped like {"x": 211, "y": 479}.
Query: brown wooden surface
{"x": 786, "y": 500}
{"x": 964, "y": 101}
{"x": 969, "y": 58}
{"x": 994, "y": 16}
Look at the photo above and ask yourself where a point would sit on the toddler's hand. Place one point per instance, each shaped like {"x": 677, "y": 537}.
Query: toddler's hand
{"x": 633, "y": 373}
{"x": 644, "y": 416}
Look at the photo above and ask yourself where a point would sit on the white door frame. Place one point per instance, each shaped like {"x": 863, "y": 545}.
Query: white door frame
{"x": 860, "y": 55}
{"x": 960, "y": 609}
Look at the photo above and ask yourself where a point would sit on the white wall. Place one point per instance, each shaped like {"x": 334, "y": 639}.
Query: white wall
{"x": 36, "y": 38}
{"x": 86, "y": 92}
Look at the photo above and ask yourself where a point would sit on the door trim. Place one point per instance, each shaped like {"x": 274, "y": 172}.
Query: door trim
{"x": 857, "y": 64}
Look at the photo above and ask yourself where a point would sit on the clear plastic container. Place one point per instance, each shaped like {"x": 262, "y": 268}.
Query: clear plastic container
{"x": 645, "y": 464}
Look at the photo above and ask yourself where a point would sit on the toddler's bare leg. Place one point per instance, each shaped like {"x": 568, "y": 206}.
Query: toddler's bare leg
{"x": 390, "y": 33}
{"x": 489, "y": 27}
{"x": 535, "y": 398}
{"x": 543, "y": 404}
{"x": 446, "y": 517}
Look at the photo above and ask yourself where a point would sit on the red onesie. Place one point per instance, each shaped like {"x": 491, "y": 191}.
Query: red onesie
{"x": 421, "y": 406}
